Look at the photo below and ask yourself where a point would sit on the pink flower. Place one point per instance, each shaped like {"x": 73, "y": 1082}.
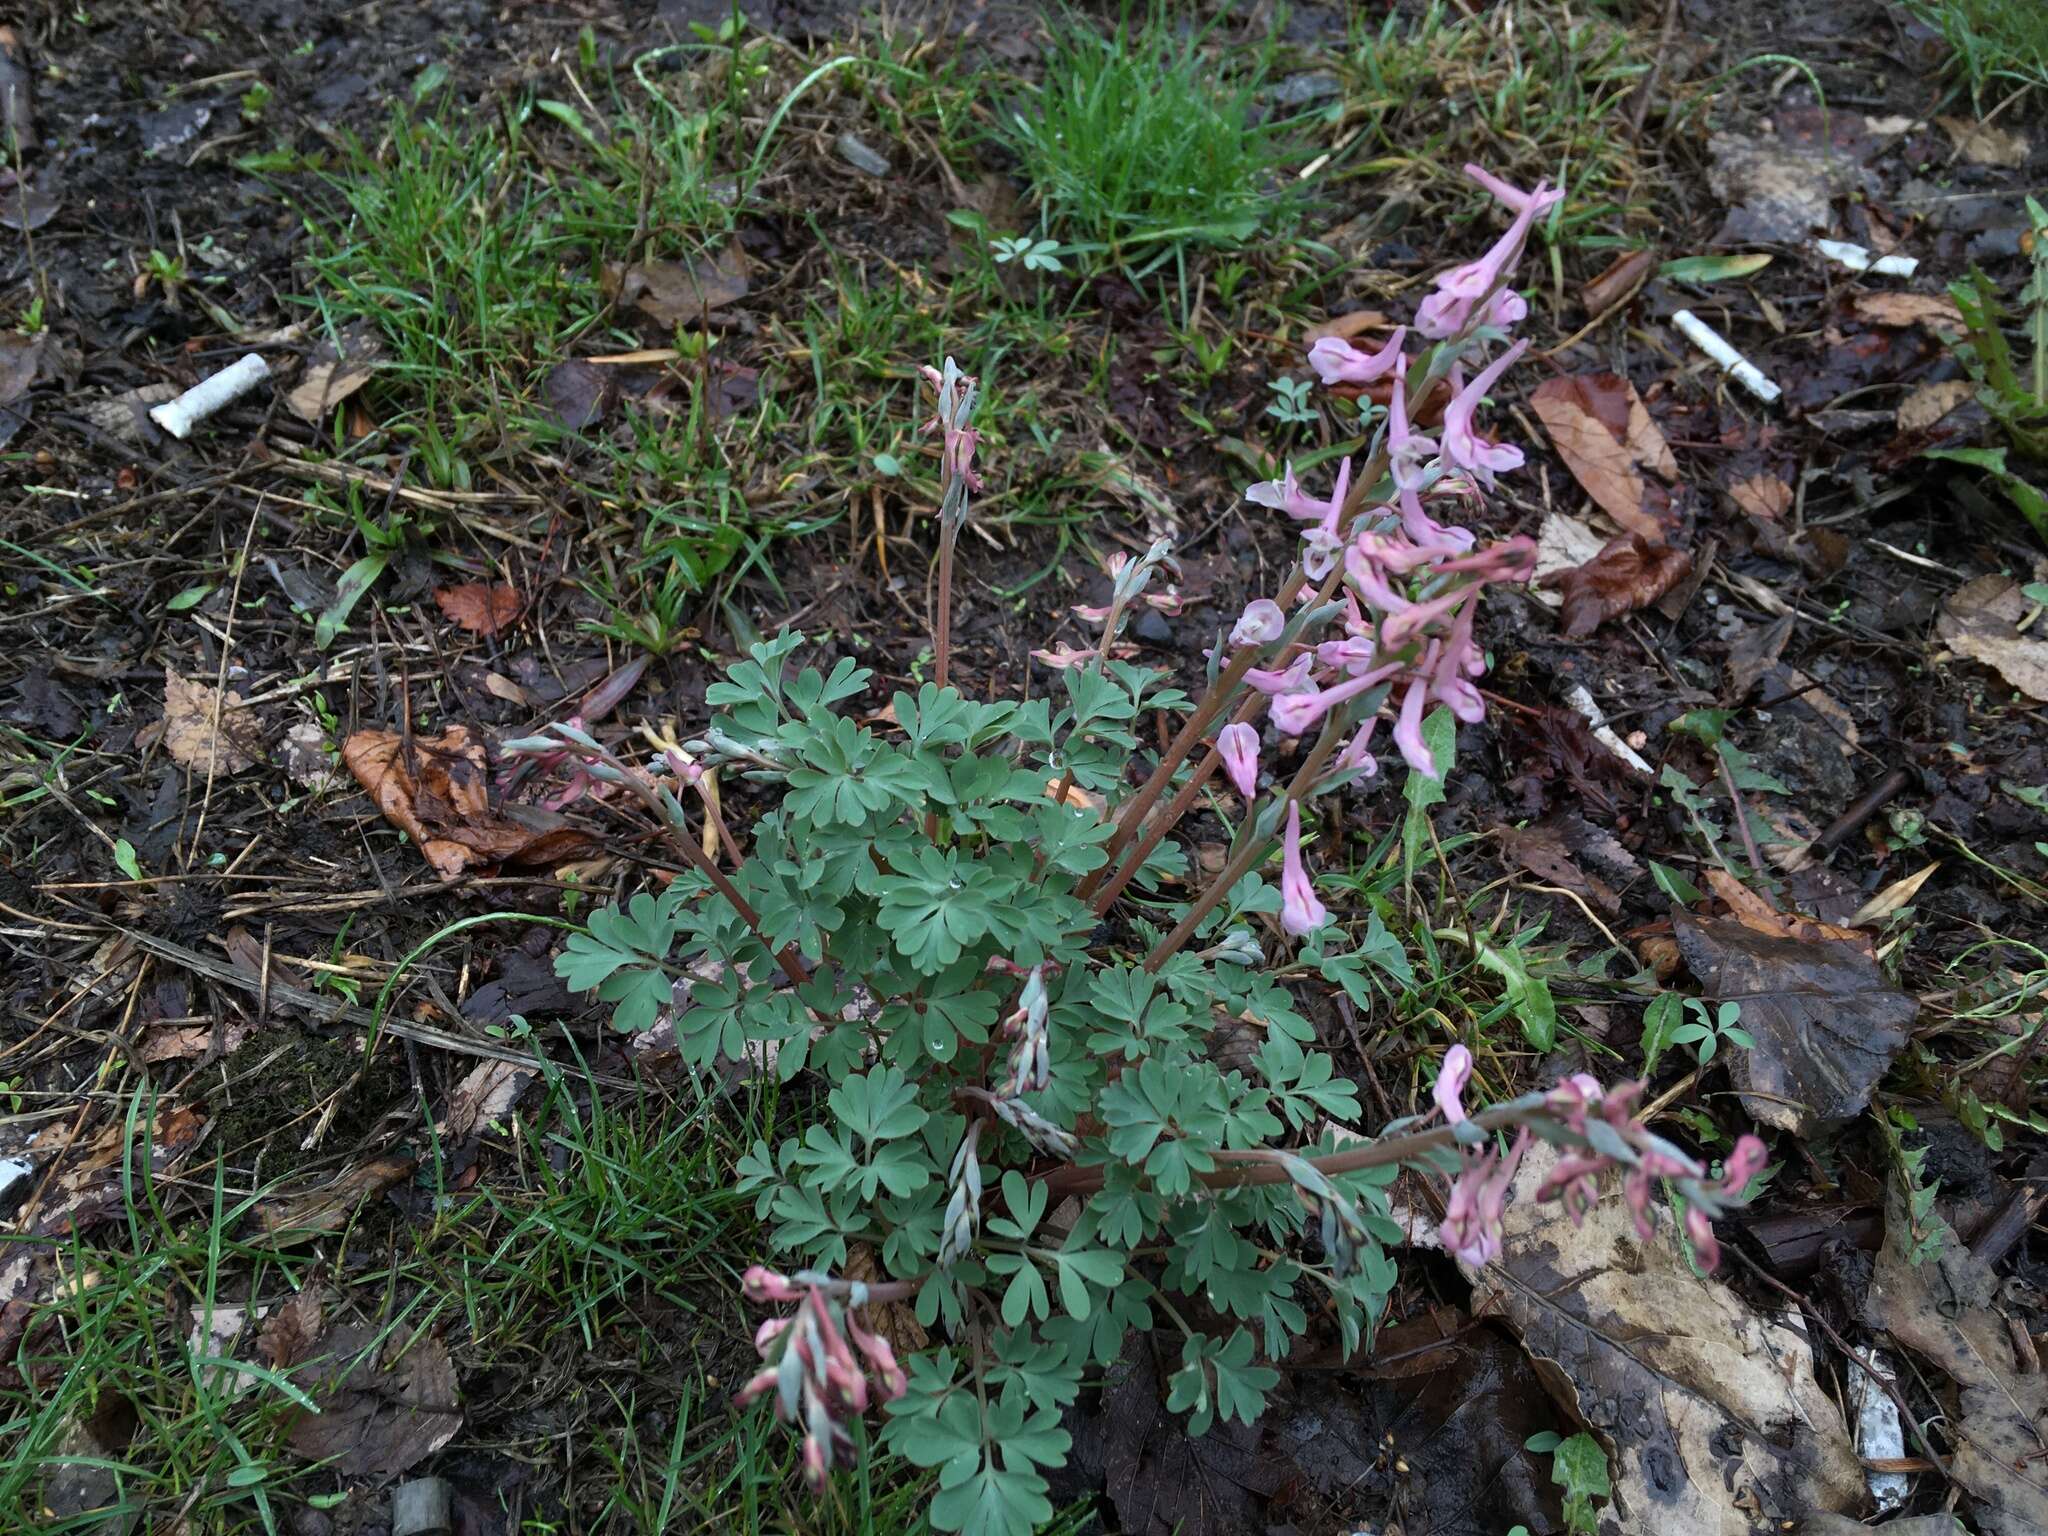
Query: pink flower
{"x": 1507, "y": 309}
{"x": 1411, "y": 621}
{"x": 1288, "y": 679}
{"x": 1261, "y": 623}
{"x": 1408, "y": 731}
{"x": 1286, "y": 495}
{"x": 1336, "y": 361}
{"x": 1300, "y": 912}
{"x": 1295, "y": 714}
{"x": 761, "y": 1284}
{"x": 1320, "y": 546}
{"x": 1238, "y": 745}
{"x": 888, "y": 1374}
{"x": 1442, "y": 315}
{"x": 1572, "y": 1181}
{"x": 1541, "y": 201}
{"x": 1356, "y": 754}
{"x": 1743, "y": 1164}
{"x": 1407, "y": 450}
{"x": 1451, "y": 1079}
{"x": 1060, "y": 657}
{"x": 817, "y": 1463}
{"x": 1352, "y": 654}
{"x": 1699, "y": 1231}
{"x": 1461, "y": 446}
{"x": 1471, "y": 1228}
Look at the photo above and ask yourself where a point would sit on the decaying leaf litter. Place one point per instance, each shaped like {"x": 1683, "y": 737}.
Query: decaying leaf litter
{"x": 228, "y": 843}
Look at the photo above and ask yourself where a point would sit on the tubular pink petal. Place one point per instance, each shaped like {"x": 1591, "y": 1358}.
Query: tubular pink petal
{"x": 1300, "y": 912}
{"x": 1408, "y": 731}
{"x": 1238, "y": 745}
{"x": 1451, "y": 1079}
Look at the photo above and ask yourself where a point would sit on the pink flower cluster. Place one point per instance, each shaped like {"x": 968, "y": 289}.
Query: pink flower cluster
{"x": 816, "y": 1377}
{"x": 1471, "y": 1228}
{"x": 1410, "y": 582}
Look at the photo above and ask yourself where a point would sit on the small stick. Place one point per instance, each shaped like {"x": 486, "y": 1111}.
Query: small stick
{"x": 1850, "y": 821}
{"x": 179, "y": 416}
{"x": 1741, "y": 814}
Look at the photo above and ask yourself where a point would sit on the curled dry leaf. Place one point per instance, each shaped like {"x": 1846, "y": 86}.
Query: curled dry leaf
{"x": 207, "y": 730}
{"x": 483, "y": 1096}
{"x": 386, "y": 1402}
{"x": 1945, "y": 1309}
{"x": 1562, "y": 544}
{"x": 1896, "y": 311}
{"x": 1986, "y": 143}
{"x": 481, "y": 607}
{"x": 577, "y": 393}
{"x": 1981, "y": 621}
{"x": 1628, "y": 573}
{"x": 679, "y": 292}
{"x": 1544, "y": 852}
{"x": 290, "y": 1332}
{"x": 337, "y": 369}
{"x": 1628, "y": 272}
{"x": 1600, "y": 428}
{"x": 1931, "y": 402}
{"x": 1761, "y": 496}
{"x": 1711, "y": 1415}
{"x": 328, "y": 1209}
{"x": 1825, "y": 1020}
{"x": 436, "y": 792}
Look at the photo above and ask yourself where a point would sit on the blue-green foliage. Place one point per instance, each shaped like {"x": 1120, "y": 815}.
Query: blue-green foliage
{"x": 914, "y": 869}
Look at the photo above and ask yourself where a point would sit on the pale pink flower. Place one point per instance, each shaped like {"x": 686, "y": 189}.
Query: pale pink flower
{"x": 1463, "y": 447}
{"x": 1540, "y": 202}
{"x": 1320, "y": 546}
{"x": 762, "y": 1284}
{"x": 1296, "y": 714}
{"x": 1060, "y": 657}
{"x": 1286, "y": 495}
{"x": 1287, "y": 679}
{"x": 888, "y": 1374}
{"x": 1471, "y": 1229}
{"x": 1408, "y": 731}
{"x": 1699, "y": 1231}
{"x": 1261, "y": 623}
{"x": 1300, "y": 912}
{"x": 1357, "y": 754}
{"x": 1238, "y": 745}
{"x": 1352, "y": 654}
{"x": 1451, "y": 1079}
{"x": 1336, "y": 361}
{"x": 1743, "y": 1164}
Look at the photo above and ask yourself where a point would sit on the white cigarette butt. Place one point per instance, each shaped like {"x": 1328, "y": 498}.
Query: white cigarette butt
{"x": 178, "y": 417}
{"x": 1709, "y": 341}
{"x": 1857, "y": 259}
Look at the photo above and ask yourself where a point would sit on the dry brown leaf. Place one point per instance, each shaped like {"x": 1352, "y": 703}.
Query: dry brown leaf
{"x": 1087, "y": 800}
{"x": 1946, "y": 1310}
{"x": 436, "y": 793}
{"x": 895, "y": 1321}
{"x": 1623, "y": 276}
{"x": 1600, "y": 428}
{"x": 1755, "y": 651}
{"x": 384, "y": 1406}
{"x": 1936, "y": 311}
{"x": 1752, "y": 911}
{"x": 1628, "y": 573}
{"x": 1825, "y": 1019}
{"x": 1345, "y": 327}
{"x": 328, "y": 1209}
{"x": 1931, "y": 402}
{"x": 1712, "y": 1417}
{"x": 1562, "y": 544}
{"x": 1981, "y": 621}
{"x": 289, "y": 1333}
{"x": 482, "y": 608}
{"x": 1985, "y": 143}
{"x": 1764, "y": 496}
{"x": 1543, "y": 851}
{"x": 206, "y": 730}
{"x": 333, "y": 373}
{"x": 183, "y": 1042}
{"x": 678, "y": 292}
{"x": 490, "y": 1088}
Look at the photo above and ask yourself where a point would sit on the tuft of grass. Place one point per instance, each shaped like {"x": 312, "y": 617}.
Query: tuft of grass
{"x": 1142, "y": 144}
{"x": 1993, "y": 44}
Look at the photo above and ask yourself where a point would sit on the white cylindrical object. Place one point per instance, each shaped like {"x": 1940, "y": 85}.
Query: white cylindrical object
{"x": 1709, "y": 341}
{"x": 1857, "y": 259}
{"x": 178, "y": 417}
{"x": 1580, "y": 697}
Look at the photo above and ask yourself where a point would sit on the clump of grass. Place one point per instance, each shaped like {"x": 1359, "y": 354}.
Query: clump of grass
{"x": 1993, "y": 43}
{"x": 1141, "y": 144}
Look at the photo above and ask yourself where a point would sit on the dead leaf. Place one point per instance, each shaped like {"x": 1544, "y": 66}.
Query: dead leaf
{"x": 1074, "y": 795}
{"x": 384, "y": 1407}
{"x": 1981, "y": 621}
{"x": 1825, "y": 1019}
{"x": 1752, "y": 911}
{"x": 1345, "y": 327}
{"x": 1628, "y": 573}
{"x": 1764, "y": 496}
{"x": 328, "y": 1209}
{"x": 1624, "y": 275}
{"x": 206, "y": 730}
{"x": 1936, "y": 311}
{"x": 1986, "y": 144}
{"x": 21, "y": 359}
{"x": 1891, "y": 898}
{"x": 337, "y": 368}
{"x": 1775, "y": 189}
{"x": 183, "y": 1043}
{"x": 678, "y": 292}
{"x": 1945, "y": 1309}
{"x": 1542, "y": 851}
{"x": 482, "y": 608}
{"x": 436, "y": 793}
{"x": 895, "y": 1321}
{"x": 1562, "y": 544}
{"x": 1755, "y": 651}
{"x": 290, "y": 1332}
{"x": 1712, "y": 1416}
{"x": 308, "y": 761}
{"x": 577, "y": 394}
{"x": 482, "y": 1097}
{"x": 1931, "y": 402}
{"x": 1600, "y": 428}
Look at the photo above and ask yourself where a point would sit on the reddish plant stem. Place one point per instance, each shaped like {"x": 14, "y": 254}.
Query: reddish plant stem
{"x": 1131, "y": 815}
{"x": 1253, "y": 850}
{"x": 1240, "y": 1170}
{"x": 942, "y": 635}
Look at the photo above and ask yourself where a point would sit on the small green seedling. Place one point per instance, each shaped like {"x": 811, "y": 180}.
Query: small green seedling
{"x": 1672, "y": 1020}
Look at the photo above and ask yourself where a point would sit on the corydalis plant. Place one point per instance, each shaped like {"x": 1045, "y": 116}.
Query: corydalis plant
{"x": 1015, "y": 1110}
